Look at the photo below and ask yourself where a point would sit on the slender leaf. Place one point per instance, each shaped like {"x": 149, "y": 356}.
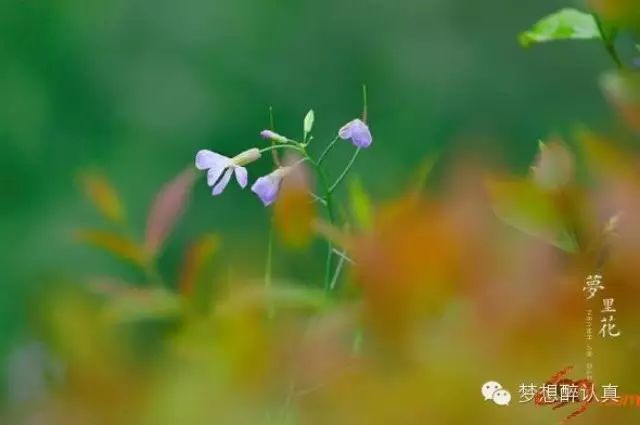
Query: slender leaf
{"x": 198, "y": 255}
{"x": 120, "y": 246}
{"x": 103, "y": 195}
{"x": 167, "y": 209}
{"x": 528, "y": 208}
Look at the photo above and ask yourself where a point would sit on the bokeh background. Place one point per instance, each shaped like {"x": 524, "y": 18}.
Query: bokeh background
{"x": 134, "y": 88}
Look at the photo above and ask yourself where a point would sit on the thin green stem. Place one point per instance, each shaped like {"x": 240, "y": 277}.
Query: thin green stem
{"x": 328, "y": 263}
{"x": 345, "y": 171}
{"x": 611, "y": 48}
{"x": 287, "y": 146}
{"x": 609, "y": 42}
{"x": 327, "y": 268}
{"x": 328, "y": 149}
{"x": 301, "y": 161}
{"x": 336, "y": 275}
{"x": 317, "y": 198}
{"x": 329, "y": 206}
{"x": 328, "y": 203}
{"x": 268, "y": 270}
{"x": 365, "y": 103}
{"x": 344, "y": 256}
{"x": 274, "y": 154}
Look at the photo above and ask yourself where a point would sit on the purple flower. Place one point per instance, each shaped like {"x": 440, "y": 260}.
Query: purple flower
{"x": 358, "y": 132}
{"x": 220, "y": 168}
{"x": 267, "y": 187}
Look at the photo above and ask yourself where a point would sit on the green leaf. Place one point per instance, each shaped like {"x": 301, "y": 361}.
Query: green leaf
{"x": 566, "y": 24}
{"x": 167, "y": 207}
{"x": 308, "y": 122}
{"x": 525, "y": 206}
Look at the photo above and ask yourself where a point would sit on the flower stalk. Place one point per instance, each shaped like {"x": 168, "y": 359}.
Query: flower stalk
{"x": 220, "y": 169}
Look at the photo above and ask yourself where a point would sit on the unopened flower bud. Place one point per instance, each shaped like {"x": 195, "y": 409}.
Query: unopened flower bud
{"x": 272, "y": 135}
{"x": 247, "y": 157}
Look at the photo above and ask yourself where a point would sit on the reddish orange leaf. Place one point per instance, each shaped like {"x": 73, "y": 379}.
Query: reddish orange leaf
{"x": 294, "y": 210}
{"x": 196, "y": 258}
{"x": 167, "y": 209}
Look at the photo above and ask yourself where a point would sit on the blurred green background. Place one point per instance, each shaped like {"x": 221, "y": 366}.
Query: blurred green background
{"x": 136, "y": 87}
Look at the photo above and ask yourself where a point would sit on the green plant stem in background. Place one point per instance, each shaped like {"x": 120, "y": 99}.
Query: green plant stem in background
{"x": 268, "y": 271}
{"x": 329, "y": 207}
{"x": 287, "y": 146}
{"x": 274, "y": 154}
{"x": 327, "y": 271}
{"x": 365, "y": 103}
{"x": 328, "y": 149}
{"x": 336, "y": 275}
{"x": 317, "y": 198}
{"x": 345, "y": 171}
{"x": 609, "y": 42}
{"x": 269, "y": 265}
{"x": 327, "y": 201}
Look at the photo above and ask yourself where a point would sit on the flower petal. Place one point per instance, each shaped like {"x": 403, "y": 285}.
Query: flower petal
{"x": 224, "y": 181}
{"x": 267, "y": 188}
{"x": 206, "y": 159}
{"x": 213, "y": 175}
{"x": 241, "y": 176}
{"x": 360, "y": 134}
{"x": 346, "y": 131}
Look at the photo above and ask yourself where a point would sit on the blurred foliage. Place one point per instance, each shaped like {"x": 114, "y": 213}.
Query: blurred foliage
{"x": 469, "y": 269}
